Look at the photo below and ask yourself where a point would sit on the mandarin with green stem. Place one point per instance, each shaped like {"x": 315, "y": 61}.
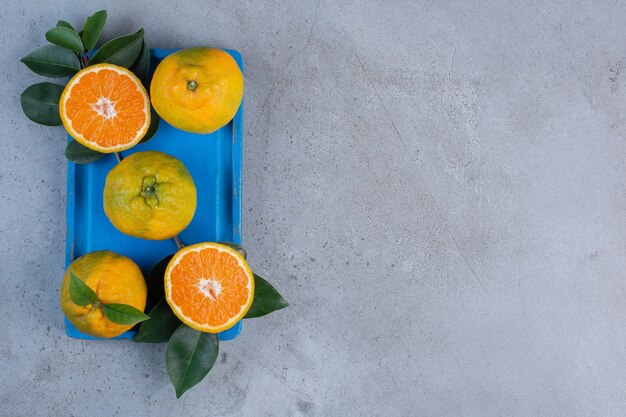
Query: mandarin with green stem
{"x": 150, "y": 195}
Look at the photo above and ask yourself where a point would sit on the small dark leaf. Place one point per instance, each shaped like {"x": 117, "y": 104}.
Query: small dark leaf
{"x": 40, "y": 103}
{"x": 121, "y": 51}
{"x": 152, "y": 129}
{"x": 93, "y": 29}
{"x": 123, "y": 314}
{"x": 52, "y": 61}
{"x": 141, "y": 66}
{"x": 65, "y": 24}
{"x": 80, "y": 154}
{"x": 65, "y": 38}
{"x": 162, "y": 324}
{"x": 80, "y": 293}
{"x": 155, "y": 281}
{"x": 237, "y": 247}
{"x": 266, "y": 299}
{"x": 190, "y": 356}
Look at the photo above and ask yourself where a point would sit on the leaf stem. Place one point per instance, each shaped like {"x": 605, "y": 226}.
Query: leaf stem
{"x": 178, "y": 242}
{"x": 84, "y": 61}
{"x": 80, "y": 60}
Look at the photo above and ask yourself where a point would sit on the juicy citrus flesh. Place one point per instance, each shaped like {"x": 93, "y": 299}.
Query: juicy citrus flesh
{"x": 105, "y": 108}
{"x": 198, "y": 90}
{"x": 115, "y": 279}
{"x": 209, "y": 286}
{"x": 150, "y": 195}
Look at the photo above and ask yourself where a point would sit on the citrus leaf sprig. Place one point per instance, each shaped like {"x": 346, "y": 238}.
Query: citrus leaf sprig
{"x": 82, "y": 295}
{"x": 123, "y": 313}
{"x": 191, "y": 353}
{"x": 40, "y": 103}
{"x": 161, "y": 326}
{"x": 66, "y": 38}
{"x": 122, "y": 51}
{"x": 80, "y": 154}
{"x": 52, "y": 62}
{"x": 266, "y": 299}
{"x": 93, "y": 29}
{"x": 69, "y": 52}
{"x": 189, "y": 357}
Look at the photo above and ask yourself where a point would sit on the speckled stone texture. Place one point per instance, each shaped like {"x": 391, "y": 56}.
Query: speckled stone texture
{"x": 437, "y": 187}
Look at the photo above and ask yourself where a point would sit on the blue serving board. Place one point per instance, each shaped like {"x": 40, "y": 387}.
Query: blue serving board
{"x": 214, "y": 162}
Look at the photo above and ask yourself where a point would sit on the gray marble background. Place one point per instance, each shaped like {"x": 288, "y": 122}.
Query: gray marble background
{"x": 437, "y": 187}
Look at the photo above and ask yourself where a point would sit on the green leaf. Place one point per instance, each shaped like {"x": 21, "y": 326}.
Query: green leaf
{"x": 155, "y": 281}
{"x": 63, "y": 23}
{"x": 80, "y": 293}
{"x": 141, "y": 66}
{"x": 93, "y": 29}
{"x": 121, "y": 51}
{"x": 52, "y": 61}
{"x": 123, "y": 314}
{"x": 40, "y": 103}
{"x": 152, "y": 129}
{"x": 237, "y": 247}
{"x": 80, "y": 154}
{"x": 189, "y": 357}
{"x": 65, "y": 38}
{"x": 266, "y": 299}
{"x": 162, "y": 324}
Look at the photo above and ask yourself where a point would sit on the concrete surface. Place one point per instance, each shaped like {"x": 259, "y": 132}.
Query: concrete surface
{"x": 438, "y": 188}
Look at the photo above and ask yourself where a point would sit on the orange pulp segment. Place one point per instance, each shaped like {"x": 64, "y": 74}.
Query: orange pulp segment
{"x": 105, "y": 108}
{"x": 209, "y": 286}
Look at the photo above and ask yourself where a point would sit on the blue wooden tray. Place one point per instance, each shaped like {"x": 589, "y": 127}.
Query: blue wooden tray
{"x": 214, "y": 161}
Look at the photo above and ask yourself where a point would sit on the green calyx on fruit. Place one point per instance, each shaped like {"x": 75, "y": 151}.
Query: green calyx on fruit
{"x": 148, "y": 188}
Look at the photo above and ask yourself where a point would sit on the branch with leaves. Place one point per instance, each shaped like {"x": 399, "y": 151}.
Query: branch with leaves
{"x": 69, "y": 52}
{"x": 82, "y": 295}
{"x": 190, "y": 353}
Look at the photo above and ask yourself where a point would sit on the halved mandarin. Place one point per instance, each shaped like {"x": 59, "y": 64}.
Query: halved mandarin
{"x": 209, "y": 286}
{"x": 106, "y": 108}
